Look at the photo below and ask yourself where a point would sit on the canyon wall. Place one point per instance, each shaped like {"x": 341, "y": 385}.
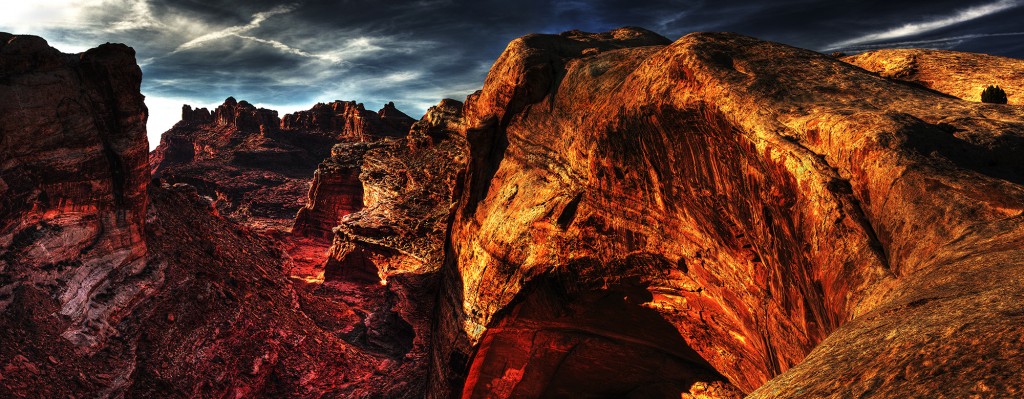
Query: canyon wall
{"x": 115, "y": 286}
{"x": 612, "y": 215}
{"x": 256, "y": 167}
{"x": 73, "y": 182}
{"x": 707, "y": 212}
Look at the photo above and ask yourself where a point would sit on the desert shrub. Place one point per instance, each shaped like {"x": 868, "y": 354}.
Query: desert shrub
{"x": 993, "y": 95}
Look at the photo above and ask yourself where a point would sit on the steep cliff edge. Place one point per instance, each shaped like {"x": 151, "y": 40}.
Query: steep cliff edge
{"x": 958, "y": 74}
{"x": 654, "y": 220}
{"x": 72, "y": 182}
{"x": 709, "y": 218}
{"x": 387, "y": 250}
{"x": 110, "y": 288}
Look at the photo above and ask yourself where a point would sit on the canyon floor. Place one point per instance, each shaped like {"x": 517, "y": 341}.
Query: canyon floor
{"x": 613, "y": 215}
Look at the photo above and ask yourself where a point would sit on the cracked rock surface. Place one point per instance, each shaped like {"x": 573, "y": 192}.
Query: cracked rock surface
{"x": 766, "y": 219}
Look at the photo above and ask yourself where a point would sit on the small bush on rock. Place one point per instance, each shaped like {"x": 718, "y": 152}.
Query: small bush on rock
{"x": 993, "y": 95}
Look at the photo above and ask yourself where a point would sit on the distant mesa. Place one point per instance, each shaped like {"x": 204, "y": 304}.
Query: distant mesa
{"x": 225, "y": 151}
{"x": 612, "y": 215}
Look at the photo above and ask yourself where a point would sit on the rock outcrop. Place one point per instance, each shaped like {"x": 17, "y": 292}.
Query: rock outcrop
{"x": 724, "y": 215}
{"x": 73, "y": 180}
{"x": 336, "y": 191}
{"x": 958, "y": 74}
{"x": 349, "y": 121}
{"x": 388, "y": 251}
{"x": 407, "y": 188}
{"x": 258, "y": 167}
{"x": 612, "y": 215}
{"x": 110, "y": 288}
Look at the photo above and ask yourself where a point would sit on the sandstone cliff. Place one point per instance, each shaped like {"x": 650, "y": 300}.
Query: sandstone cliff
{"x": 256, "y": 166}
{"x": 72, "y": 182}
{"x": 958, "y": 74}
{"x": 349, "y": 121}
{"x": 387, "y": 206}
{"x": 612, "y": 215}
{"x": 110, "y": 288}
{"x": 724, "y": 215}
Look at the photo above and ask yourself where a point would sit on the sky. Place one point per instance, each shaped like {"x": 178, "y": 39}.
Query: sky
{"x": 288, "y": 56}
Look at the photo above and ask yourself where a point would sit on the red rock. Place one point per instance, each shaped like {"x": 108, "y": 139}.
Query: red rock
{"x": 612, "y": 215}
{"x": 407, "y": 189}
{"x": 257, "y": 167}
{"x": 72, "y": 166}
{"x": 349, "y": 121}
{"x": 146, "y": 291}
{"x": 734, "y": 202}
{"x": 959, "y": 74}
{"x": 336, "y": 191}
{"x": 392, "y": 247}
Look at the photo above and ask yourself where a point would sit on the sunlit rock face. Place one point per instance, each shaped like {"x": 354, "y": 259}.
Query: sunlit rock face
{"x": 407, "y": 189}
{"x": 393, "y": 244}
{"x": 335, "y": 192}
{"x": 959, "y": 74}
{"x": 766, "y": 219}
{"x": 73, "y": 179}
{"x": 612, "y": 215}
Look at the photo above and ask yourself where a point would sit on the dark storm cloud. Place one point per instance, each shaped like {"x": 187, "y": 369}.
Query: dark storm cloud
{"x": 291, "y": 54}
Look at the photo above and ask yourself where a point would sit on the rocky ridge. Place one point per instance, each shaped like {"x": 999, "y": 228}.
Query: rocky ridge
{"x": 257, "y": 167}
{"x": 962, "y": 75}
{"x": 115, "y": 287}
{"x": 765, "y": 219}
{"x": 613, "y": 214}
{"x": 72, "y": 183}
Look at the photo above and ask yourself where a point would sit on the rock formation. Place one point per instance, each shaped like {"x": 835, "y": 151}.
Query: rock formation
{"x": 110, "y": 288}
{"x": 72, "y": 183}
{"x": 388, "y": 251}
{"x": 258, "y": 167}
{"x": 612, "y": 215}
{"x": 336, "y": 191}
{"x": 404, "y": 195}
{"x": 724, "y": 215}
{"x": 349, "y": 121}
{"x": 958, "y": 74}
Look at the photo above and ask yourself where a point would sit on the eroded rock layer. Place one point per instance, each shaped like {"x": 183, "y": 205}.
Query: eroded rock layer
{"x": 349, "y": 121}
{"x": 73, "y": 183}
{"x": 736, "y": 202}
{"x": 256, "y": 166}
{"x": 613, "y": 215}
{"x": 408, "y": 188}
{"x": 959, "y": 74}
{"x": 112, "y": 289}
{"x": 336, "y": 191}
{"x": 388, "y": 252}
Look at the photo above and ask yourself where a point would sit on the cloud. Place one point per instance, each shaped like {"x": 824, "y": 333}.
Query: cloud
{"x": 941, "y": 42}
{"x": 257, "y": 19}
{"x": 417, "y": 52}
{"x": 917, "y": 28}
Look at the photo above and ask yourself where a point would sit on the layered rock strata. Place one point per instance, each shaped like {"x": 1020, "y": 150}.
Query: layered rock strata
{"x": 349, "y": 121}
{"x": 407, "y": 190}
{"x": 613, "y": 215}
{"x": 110, "y": 288}
{"x": 258, "y": 167}
{"x": 766, "y": 219}
{"x": 388, "y": 252}
{"x": 73, "y": 183}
